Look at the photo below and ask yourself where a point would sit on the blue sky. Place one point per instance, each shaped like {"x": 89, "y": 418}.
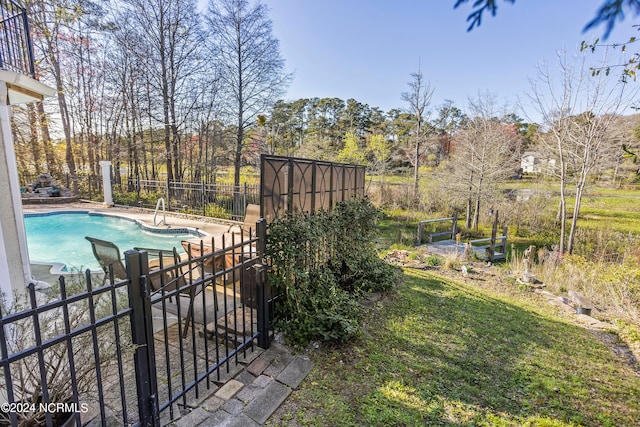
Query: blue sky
{"x": 367, "y": 49}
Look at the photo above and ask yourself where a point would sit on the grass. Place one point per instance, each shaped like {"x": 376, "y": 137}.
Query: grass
{"x": 440, "y": 352}
{"x": 398, "y": 230}
{"x": 617, "y": 209}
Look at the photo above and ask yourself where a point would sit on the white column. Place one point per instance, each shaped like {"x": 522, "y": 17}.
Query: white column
{"x": 106, "y": 182}
{"x": 15, "y": 271}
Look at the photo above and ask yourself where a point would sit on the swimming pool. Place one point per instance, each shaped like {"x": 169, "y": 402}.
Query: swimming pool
{"x": 58, "y": 237}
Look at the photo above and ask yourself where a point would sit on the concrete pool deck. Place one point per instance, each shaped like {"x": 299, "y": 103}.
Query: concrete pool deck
{"x": 46, "y": 272}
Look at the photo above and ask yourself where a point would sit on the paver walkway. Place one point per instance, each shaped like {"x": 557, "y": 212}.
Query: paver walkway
{"x": 255, "y": 392}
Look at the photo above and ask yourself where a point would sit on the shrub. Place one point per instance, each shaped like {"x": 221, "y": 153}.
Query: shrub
{"x": 433, "y": 260}
{"x": 216, "y": 211}
{"x": 318, "y": 309}
{"x": 322, "y": 263}
{"x": 149, "y": 198}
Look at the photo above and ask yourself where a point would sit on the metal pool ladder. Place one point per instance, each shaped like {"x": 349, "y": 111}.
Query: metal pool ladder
{"x": 164, "y": 213}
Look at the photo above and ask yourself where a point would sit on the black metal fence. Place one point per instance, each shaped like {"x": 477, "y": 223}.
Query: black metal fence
{"x": 197, "y": 198}
{"x": 223, "y": 201}
{"x": 292, "y": 184}
{"x": 173, "y": 327}
{"x": 16, "y": 51}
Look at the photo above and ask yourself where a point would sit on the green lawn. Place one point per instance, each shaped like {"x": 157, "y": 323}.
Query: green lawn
{"x": 616, "y": 209}
{"x": 439, "y": 352}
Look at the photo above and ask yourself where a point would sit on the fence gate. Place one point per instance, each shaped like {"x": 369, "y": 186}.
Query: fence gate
{"x": 194, "y": 320}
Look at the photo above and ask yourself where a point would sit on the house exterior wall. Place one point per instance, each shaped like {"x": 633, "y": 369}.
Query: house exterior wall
{"x": 535, "y": 163}
{"x": 14, "y": 267}
{"x": 528, "y": 163}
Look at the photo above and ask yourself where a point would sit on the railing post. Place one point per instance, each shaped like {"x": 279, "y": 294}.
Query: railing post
{"x": 142, "y": 336}
{"x": 504, "y": 241}
{"x": 27, "y": 32}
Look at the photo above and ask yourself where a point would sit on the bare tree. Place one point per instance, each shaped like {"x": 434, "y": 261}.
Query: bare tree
{"x": 51, "y": 21}
{"x": 485, "y": 153}
{"x": 169, "y": 48}
{"x": 252, "y": 69}
{"x": 418, "y": 98}
{"x": 576, "y": 112}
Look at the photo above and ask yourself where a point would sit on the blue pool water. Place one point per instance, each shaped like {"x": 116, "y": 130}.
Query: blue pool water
{"x": 59, "y": 237}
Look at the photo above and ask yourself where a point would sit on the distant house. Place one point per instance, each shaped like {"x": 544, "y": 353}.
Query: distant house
{"x": 534, "y": 162}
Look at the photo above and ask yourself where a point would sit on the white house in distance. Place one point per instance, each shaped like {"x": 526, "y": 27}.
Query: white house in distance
{"x": 534, "y": 162}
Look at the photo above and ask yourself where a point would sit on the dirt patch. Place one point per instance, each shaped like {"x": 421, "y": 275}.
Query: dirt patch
{"x": 618, "y": 347}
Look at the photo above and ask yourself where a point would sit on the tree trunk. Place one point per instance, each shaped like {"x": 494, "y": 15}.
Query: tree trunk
{"x": 33, "y": 137}
{"x": 476, "y": 215}
{"x": 574, "y": 220}
{"x": 52, "y": 163}
{"x": 563, "y": 214}
{"x": 416, "y": 168}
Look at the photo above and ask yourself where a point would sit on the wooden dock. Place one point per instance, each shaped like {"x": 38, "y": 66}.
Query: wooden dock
{"x": 449, "y": 247}
{"x": 492, "y": 249}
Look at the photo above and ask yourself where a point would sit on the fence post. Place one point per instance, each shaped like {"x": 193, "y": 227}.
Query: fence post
{"x": 142, "y": 336}
{"x": 262, "y": 306}
{"x": 244, "y": 209}
{"x": 504, "y": 241}
{"x": 289, "y": 176}
{"x": 262, "y": 295}
{"x": 454, "y": 227}
{"x": 203, "y": 199}
{"x": 494, "y": 232}
{"x": 314, "y": 192}
{"x": 168, "y": 192}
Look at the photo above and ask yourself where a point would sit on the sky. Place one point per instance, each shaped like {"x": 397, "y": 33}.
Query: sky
{"x": 367, "y": 49}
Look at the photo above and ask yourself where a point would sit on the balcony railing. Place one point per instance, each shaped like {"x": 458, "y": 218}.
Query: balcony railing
{"x": 16, "y": 52}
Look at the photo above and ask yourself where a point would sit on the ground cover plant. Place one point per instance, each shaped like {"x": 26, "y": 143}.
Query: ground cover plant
{"x": 440, "y": 352}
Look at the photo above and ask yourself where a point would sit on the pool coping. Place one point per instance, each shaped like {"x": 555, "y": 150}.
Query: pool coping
{"x": 195, "y": 232}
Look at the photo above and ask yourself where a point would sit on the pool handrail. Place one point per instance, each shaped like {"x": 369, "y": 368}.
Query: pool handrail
{"x": 164, "y": 213}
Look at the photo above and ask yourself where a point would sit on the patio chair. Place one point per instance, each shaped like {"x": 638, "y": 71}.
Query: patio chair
{"x": 197, "y": 247}
{"x": 251, "y": 216}
{"x": 171, "y": 277}
{"x": 248, "y": 226}
{"x": 108, "y": 254}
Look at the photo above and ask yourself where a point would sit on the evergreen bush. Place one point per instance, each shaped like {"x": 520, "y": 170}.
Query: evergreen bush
{"x": 322, "y": 264}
